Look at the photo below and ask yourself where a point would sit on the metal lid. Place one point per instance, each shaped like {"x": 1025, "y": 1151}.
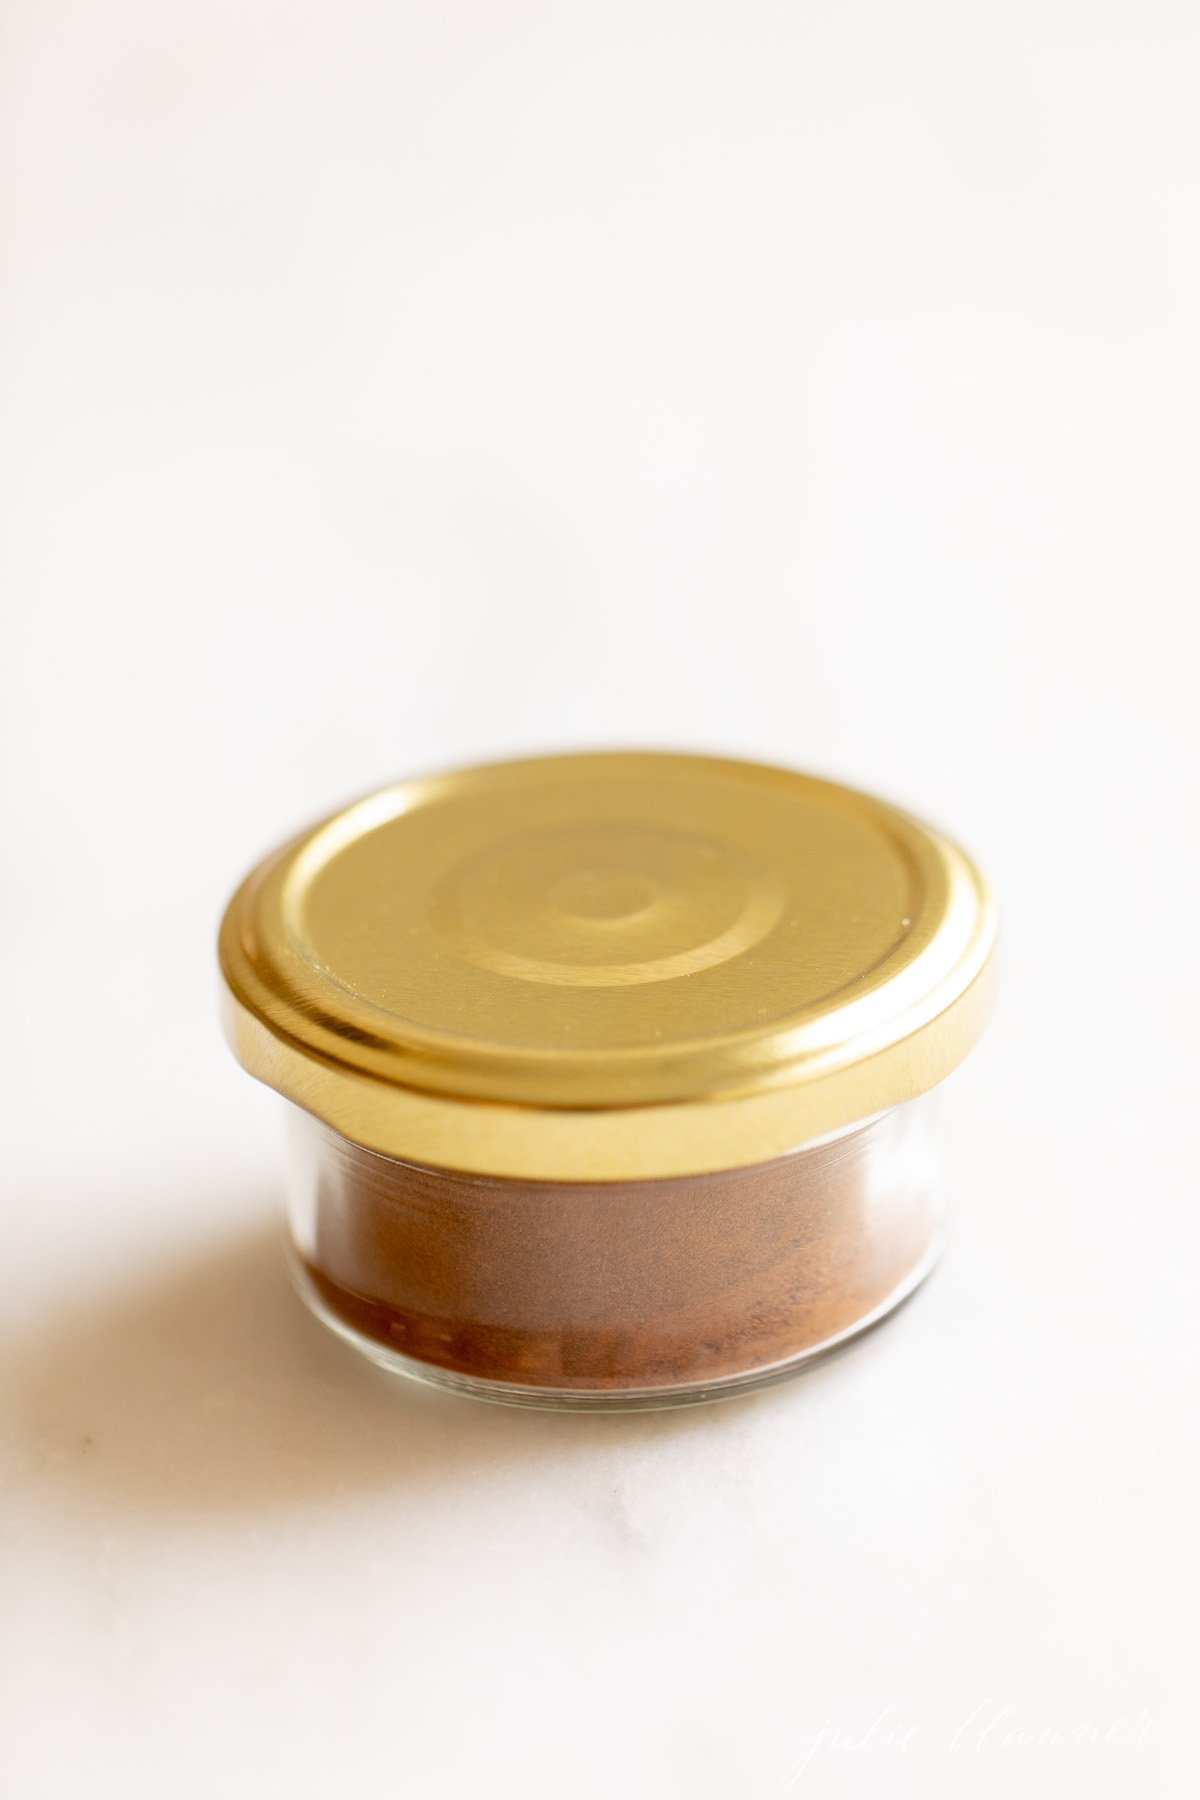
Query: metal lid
{"x": 607, "y": 966}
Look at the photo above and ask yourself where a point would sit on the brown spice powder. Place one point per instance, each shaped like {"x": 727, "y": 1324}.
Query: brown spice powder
{"x": 618, "y": 1285}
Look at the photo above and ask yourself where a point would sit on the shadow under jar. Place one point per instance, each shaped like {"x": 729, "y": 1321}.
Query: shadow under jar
{"x": 611, "y": 1073}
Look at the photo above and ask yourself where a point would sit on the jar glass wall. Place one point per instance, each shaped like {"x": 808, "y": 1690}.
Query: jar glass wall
{"x": 615, "y": 1294}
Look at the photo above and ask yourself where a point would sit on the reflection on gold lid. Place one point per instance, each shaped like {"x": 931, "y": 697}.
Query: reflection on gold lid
{"x": 604, "y": 966}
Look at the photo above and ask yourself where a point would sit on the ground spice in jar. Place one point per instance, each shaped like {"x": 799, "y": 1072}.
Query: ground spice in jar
{"x": 624, "y": 1284}
{"x": 610, "y": 1072}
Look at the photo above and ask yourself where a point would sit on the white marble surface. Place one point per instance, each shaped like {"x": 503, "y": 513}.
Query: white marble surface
{"x": 392, "y": 385}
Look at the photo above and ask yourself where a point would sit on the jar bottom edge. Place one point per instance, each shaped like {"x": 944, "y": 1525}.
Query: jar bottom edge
{"x": 694, "y": 1393}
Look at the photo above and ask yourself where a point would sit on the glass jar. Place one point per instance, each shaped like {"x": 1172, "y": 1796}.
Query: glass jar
{"x": 612, "y": 1074}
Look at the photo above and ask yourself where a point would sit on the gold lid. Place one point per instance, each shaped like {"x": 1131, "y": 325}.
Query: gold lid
{"x": 607, "y": 966}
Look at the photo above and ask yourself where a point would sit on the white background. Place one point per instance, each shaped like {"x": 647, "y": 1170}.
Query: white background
{"x": 390, "y": 385}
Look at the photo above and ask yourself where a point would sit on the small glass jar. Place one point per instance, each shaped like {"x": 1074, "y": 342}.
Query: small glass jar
{"x": 612, "y": 1074}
